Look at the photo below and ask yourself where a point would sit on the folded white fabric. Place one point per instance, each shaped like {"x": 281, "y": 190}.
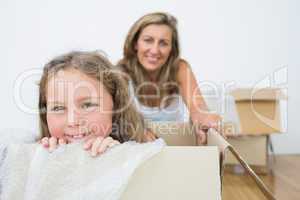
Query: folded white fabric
{"x": 30, "y": 172}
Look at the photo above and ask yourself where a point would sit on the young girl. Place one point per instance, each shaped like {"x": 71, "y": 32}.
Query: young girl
{"x": 81, "y": 97}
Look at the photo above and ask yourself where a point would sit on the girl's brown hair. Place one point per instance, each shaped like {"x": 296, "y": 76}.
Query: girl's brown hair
{"x": 128, "y": 124}
{"x": 168, "y": 71}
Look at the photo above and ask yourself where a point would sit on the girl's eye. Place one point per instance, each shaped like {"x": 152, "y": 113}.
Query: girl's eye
{"x": 57, "y": 108}
{"x": 88, "y": 105}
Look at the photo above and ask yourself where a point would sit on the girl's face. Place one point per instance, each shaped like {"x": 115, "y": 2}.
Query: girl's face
{"x": 77, "y": 105}
{"x": 154, "y": 46}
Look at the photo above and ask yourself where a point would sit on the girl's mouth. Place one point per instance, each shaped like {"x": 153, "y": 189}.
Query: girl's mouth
{"x": 76, "y": 136}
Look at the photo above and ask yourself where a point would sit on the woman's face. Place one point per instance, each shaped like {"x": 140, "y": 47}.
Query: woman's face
{"x": 77, "y": 105}
{"x": 154, "y": 46}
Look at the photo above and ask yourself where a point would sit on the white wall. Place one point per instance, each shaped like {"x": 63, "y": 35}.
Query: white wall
{"x": 224, "y": 41}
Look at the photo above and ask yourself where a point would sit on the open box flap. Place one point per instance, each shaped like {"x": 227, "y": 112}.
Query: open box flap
{"x": 264, "y": 94}
{"x": 216, "y": 139}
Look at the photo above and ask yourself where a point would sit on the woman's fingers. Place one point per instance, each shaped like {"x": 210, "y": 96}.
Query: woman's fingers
{"x": 207, "y": 121}
{"x": 201, "y": 137}
{"x": 150, "y": 136}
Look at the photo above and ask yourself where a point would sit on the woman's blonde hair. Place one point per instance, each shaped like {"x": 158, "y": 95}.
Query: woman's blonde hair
{"x": 129, "y": 124}
{"x": 168, "y": 71}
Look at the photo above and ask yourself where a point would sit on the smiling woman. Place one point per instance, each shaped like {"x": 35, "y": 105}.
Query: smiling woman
{"x": 153, "y": 48}
{"x": 159, "y": 79}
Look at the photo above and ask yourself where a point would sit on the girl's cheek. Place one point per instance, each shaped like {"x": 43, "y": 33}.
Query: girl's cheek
{"x": 55, "y": 126}
{"x": 56, "y": 132}
{"x": 101, "y": 126}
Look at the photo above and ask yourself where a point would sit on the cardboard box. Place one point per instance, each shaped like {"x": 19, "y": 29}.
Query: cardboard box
{"x": 259, "y": 116}
{"x": 174, "y": 134}
{"x": 258, "y": 110}
{"x": 185, "y": 172}
{"x": 254, "y": 150}
{"x": 177, "y": 173}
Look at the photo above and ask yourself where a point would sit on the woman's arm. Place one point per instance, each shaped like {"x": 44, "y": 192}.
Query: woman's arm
{"x": 189, "y": 90}
{"x": 191, "y": 94}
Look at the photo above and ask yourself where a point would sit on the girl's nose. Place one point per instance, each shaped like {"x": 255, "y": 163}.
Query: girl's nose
{"x": 73, "y": 118}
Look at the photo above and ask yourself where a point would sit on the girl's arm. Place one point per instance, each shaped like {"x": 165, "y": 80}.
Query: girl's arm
{"x": 191, "y": 94}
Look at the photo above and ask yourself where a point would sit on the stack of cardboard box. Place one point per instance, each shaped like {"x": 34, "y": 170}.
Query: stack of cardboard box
{"x": 259, "y": 117}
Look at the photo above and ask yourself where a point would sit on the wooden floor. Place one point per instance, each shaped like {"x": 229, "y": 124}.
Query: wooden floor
{"x": 284, "y": 181}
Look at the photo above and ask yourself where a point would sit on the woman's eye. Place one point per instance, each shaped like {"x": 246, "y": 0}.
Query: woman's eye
{"x": 163, "y": 43}
{"x": 148, "y": 40}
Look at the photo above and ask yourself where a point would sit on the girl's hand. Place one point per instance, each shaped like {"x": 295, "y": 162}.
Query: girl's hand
{"x": 52, "y": 143}
{"x": 203, "y": 122}
{"x": 97, "y": 145}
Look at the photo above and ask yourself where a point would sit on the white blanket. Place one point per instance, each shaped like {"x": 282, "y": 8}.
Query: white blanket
{"x": 28, "y": 171}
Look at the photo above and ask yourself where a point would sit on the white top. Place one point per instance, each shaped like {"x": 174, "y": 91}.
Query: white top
{"x": 176, "y": 111}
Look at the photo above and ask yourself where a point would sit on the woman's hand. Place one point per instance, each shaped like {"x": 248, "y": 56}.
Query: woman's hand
{"x": 97, "y": 145}
{"x": 204, "y": 121}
